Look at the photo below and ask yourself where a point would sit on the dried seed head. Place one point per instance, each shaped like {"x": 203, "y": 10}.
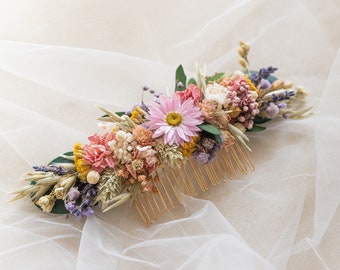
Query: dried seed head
{"x": 243, "y": 62}
{"x": 244, "y": 46}
{"x": 241, "y": 52}
{"x": 109, "y": 187}
{"x": 278, "y": 84}
{"x": 287, "y": 85}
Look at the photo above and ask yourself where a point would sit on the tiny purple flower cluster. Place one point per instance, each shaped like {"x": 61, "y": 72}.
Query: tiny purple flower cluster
{"x": 206, "y": 150}
{"x": 277, "y": 102}
{"x": 272, "y": 110}
{"x": 80, "y": 199}
{"x": 156, "y": 95}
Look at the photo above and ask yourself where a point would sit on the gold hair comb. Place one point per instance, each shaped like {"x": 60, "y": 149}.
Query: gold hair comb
{"x": 191, "y": 179}
{"x": 181, "y": 143}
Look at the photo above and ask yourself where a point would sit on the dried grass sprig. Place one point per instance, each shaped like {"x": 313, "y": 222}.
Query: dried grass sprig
{"x": 298, "y": 114}
{"x": 40, "y": 183}
{"x": 200, "y": 78}
{"x": 243, "y": 51}
{"x": 109, "y": 189}
{"x": 280, "y": 84}
{"x": 239, "y": 135}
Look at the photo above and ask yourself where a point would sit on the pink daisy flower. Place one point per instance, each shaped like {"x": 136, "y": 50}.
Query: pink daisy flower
{"x": 175, "y": 121}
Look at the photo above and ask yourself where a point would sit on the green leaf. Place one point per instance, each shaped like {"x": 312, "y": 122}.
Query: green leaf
{"x": 215, "y": 77}
{"x": 59, "y": 208}
{"x": 192, "y": 81}
{"x": 271, "y": 78}
{"x": 261, "y": 120}
{"x": 61, "y": 159}
{"x": 217, "y": 138}
{"x": 180, "y": 77}
{"x": 120, "y": 113}
{"x": 256, "y": 128}
{"x": 210, "y": 128}
{"x": 214, "y": 137}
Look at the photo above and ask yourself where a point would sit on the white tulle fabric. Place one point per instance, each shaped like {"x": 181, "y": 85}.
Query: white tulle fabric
{"x": 61, "y": 59}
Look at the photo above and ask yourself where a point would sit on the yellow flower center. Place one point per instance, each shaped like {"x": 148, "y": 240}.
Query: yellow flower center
{"x": 173, "y": 119}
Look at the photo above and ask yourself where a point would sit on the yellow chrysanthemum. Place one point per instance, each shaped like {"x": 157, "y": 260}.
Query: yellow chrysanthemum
{"x": 189, "y": 147}
{"x": 81, "y": 166}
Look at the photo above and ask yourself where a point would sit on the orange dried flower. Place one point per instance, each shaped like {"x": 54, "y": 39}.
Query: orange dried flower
{"x": 143, "y": 136}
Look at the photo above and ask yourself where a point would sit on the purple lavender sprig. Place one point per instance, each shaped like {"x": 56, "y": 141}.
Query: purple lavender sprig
{"x": 282, "y": 96}
{"x": 80, "y": 199}
{"x": 263, "y": 73}
{"x": 59, "y": 170}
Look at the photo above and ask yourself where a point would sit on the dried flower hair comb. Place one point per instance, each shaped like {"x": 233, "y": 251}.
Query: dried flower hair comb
{"x": 181, "y": 143}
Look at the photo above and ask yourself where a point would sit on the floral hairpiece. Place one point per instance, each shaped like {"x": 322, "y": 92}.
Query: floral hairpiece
{"x": 182, "y": 142}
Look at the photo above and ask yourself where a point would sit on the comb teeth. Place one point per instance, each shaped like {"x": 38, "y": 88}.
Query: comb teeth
{"x": 191, "y": 179}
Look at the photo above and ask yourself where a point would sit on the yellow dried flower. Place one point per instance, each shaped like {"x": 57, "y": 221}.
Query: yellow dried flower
{"x": 81, "y": 166}
{"x": 251, "y": 85}
{"x": 235, "y": 111}
{"x": 189, "y": 147}
{"x": 137, "y": 115}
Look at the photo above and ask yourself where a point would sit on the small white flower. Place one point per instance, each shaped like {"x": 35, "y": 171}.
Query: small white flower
{"x": 137, "y": 164}
{"x": 129, "y": 137}
{"x": 121, "y": 135}
{"x": 46, "y": 203}
{"x": 59, "y": 193}
{"x": 216, "y": 92}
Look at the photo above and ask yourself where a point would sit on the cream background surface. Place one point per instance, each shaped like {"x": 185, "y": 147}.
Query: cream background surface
{"x": 60, "y": 59}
